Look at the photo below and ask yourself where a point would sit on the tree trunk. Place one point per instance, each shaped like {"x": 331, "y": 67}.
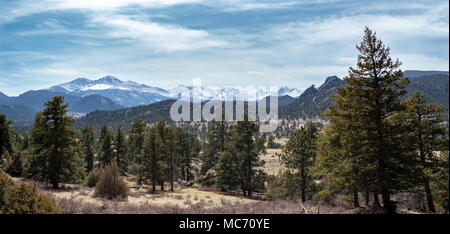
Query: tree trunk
{"x": 303, "y": 185}
{"x": 429, "y": 196}
{"x": 355, "y": 199}
{"x": 426, "y": 181}
{"x": 387, "y": 203}
{"x": 55, "y": 184}
{"x": 171, "y": 181}
{"x": 153, "y": 184}
{"x": 162, "y": 185}
{"x": 376, "y": 200}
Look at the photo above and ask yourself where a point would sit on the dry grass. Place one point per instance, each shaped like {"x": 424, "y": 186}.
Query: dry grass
{"x": 76, "y": 199}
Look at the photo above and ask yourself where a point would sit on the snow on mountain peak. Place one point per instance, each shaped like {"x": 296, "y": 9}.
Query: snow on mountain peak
{"x": 130, "y": 93}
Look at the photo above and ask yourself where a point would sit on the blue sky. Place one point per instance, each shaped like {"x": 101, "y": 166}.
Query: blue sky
{"x": 166, "y": 43}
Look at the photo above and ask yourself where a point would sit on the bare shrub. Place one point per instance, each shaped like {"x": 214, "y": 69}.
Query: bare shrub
{"x": 110, "y": 183}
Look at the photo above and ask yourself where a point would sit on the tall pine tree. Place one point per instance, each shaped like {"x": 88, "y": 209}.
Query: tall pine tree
{"x": 239, "y": 161}
{"x": 217, "y": 135}
{"x": 54, "y": 148}
{"x": 426, "y": 136}
{"x": 299, "y": 154}
{"x": 105, "y": 154}
{"x": 5, "y": 136}
{"x": 88, "y": 140}
{"x": 120, "y": 150}
{"x": 377, "y": 86}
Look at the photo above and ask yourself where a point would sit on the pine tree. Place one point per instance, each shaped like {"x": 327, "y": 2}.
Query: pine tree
{"x": 171, "y": 151}
{"x": 189, "y": 149}
{"x": 152, "y": 157}
{"x": 299, "y": 154}
{"x": 120, "y": 152}
{"x": 106, "y": 154}
{"x": 217, "y": 135}
{"x": 343, "y": 144}
{"x": 441, "y": 184}
{"x": 136, "y": 138}
{"x": 238, "y": 162}
{"x": 88, "y": 140}
{"x": 162, "y": 132}
{"x": 377, "y": 85}
{"x": 426, "y": 135}
{"x": 5, "y": 136}
{"x": 54, "y": 149}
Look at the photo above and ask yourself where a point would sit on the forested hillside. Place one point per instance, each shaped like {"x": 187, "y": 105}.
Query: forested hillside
{"x": 310, "y": 104}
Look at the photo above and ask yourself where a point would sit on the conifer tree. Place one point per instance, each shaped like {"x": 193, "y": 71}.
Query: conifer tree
{"x": 171, "y": 152}
{"x": 120, "y": 152}
{"x": 106, "y": 154}
{"x": 238, "y": 162}
{"x": 426, "y": 135}
{"x": 217, "y": 135}
{"x": 54, "y": 149}
{"x": 5, "y": 135}
{"x": 189, "y": 149}
{"x": 162, "y": 132}
{"x": 88, "y": 140}
{"x": 152, "y": 157}
{"x": 136, "y": 138}
{"x": 299, "y": 154}
{"x": 377, "y": 86}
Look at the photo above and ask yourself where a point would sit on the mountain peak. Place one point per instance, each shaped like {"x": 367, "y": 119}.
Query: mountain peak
{"x": 81, "y": 80}
{"x": 332, "y": 82}
{"x": 109, "y": 79}
{"x": 331, "y": 79}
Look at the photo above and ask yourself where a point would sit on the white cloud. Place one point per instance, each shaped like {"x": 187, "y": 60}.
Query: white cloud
{"x": 12, "y": 10}
{"x": 159, "y": 37}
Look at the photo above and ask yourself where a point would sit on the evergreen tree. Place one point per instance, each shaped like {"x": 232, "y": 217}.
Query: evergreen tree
{"x": 120, "y": 152}
{"x": 54, "y": 148}
{"x": 189, "y": 149}
{"x": 162, "y": 132}
{"x": 299, "y": 154}
{"x": 426, "y": 135}
{"x": 88, "y": 140}
{"x": 377, "y": 85}
{"x": 217, "y": 135}
{"x": 106, "y": 154}
{"x": 136, "y": 138}
{"x": 5, "y": 137}
{"x": 441, "y": 185}
{"x": 171, "y": 152}
{"x": 343, "y": 145}
{"x": 152, "y": 157}
{"x": 238, "y": 162}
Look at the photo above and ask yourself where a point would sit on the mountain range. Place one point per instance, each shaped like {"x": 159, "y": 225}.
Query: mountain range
{"x": 110, "y": 100}
{"x": 109, "y": 93}
{"x": 309, "y": 104}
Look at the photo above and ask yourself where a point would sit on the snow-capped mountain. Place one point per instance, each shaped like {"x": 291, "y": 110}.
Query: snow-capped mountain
{"x": 130, "y": 93}
{"x": 127, "y": 93}
{"x": 229, "y": 93}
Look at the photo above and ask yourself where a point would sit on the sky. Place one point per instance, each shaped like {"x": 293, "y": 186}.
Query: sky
{"x": 165, "y": 43}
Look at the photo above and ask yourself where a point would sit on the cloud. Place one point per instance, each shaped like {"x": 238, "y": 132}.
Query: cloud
{"x": 123, "y": 38}
{"x": 12, "y": 10}
{"x": 159, "y": 37}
